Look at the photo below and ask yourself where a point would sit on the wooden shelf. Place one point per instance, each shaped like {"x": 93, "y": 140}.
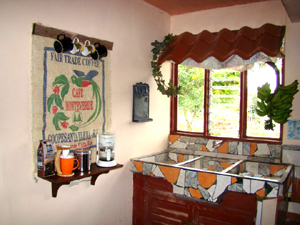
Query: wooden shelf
{"x": 95, "y": 171}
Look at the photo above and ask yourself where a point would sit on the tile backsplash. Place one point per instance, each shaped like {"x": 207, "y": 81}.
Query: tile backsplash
{"x": 239, "y": 150}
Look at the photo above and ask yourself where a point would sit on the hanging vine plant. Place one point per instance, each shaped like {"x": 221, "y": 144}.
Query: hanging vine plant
{"x": 158, "y": 47}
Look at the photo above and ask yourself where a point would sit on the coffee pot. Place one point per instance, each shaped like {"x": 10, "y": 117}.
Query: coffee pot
{"x": 105, "y": 150}
{"x": 64, "y": 162}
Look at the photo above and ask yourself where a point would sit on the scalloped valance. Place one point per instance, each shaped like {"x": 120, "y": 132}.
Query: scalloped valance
{"x": 226, "y": 48}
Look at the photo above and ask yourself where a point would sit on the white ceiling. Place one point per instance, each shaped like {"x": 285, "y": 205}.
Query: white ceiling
{"x": 176, "y": 7}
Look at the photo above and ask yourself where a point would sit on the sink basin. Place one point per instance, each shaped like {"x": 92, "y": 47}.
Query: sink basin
{"x": 233, "y": 167}
{"x": 210, "y": 163}
{"x": 169, "y": 158}
{"x": 269, "y": 171}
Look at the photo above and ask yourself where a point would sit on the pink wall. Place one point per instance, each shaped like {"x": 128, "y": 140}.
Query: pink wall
{"x": 132, "y": 25}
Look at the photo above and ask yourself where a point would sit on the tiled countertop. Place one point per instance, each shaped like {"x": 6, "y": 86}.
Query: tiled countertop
{"x": 209, "y": 175}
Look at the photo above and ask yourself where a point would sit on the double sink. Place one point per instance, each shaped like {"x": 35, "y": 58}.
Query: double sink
{"x": 239, "y": 168}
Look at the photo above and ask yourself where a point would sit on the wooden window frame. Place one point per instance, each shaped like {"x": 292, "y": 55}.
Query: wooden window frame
{"x": 243, "y": 115}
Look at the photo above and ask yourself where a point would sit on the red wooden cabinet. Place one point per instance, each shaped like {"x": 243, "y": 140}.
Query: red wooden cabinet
{"x": 154, "y": 203}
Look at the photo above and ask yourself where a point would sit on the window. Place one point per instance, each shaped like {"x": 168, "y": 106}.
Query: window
{"x": 222, "y": 103}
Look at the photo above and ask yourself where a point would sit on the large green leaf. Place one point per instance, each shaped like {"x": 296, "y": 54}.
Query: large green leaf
{"x": 58, "y": 101}
{"x": 61, "y": 79}
{"x": 55, "y": 123}
{"x": 50, "y": 101}
{"x": 74, "y": 128}
{"x": 65, "y": 91}
{"x": 60, "y": 116}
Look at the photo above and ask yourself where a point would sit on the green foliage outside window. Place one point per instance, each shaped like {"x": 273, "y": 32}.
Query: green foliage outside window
{"x": 191, "y": 100}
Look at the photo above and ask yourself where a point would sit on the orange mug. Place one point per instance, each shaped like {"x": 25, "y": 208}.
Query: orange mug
{"x": 67, "y": 164}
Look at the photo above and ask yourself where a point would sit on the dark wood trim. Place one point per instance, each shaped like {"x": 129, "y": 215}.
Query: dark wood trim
{"x": 243, "y": 104}
{"x": 50, "y": 32}
{"x": 294, "y": 217}
{"x": 173, "y": 111}
{"x": 283, "y": 82}
{"x": 206, "y": 102}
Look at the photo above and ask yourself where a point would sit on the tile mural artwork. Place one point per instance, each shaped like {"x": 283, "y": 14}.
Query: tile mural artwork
{"x": 293, "y": 130}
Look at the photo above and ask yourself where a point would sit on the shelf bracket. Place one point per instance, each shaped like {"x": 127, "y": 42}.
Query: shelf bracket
{"x": 94, "y": 178}
{"x": 55, "y": 188}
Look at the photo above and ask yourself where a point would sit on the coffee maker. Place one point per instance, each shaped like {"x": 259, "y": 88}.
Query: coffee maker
{"x": 105, "y": 150}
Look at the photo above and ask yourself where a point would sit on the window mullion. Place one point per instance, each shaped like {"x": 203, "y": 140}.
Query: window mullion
{"x": 206, "y": 102}
{"x": 173, "y": 100}
{"x": 243, "y": 105}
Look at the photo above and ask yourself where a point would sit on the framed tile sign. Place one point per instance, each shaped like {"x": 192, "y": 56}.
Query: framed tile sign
{"x": 141, "y": 103}
{"x": 293, "y": 130}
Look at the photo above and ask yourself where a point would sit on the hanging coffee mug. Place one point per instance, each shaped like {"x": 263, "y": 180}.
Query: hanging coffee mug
{"x": 77, "y": 46}
{"x": 100, "y": 52}
{"x": 88, "y": 48}
{"x": 63, "y": 44}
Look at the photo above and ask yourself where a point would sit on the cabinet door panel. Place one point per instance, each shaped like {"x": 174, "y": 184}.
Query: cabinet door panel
{"x": 211, "y": 221}
{"x": 138, "y": 199}
{"x": 165, "y": 208}
{"x": 154, "y": 203}
{"x": 223, "y": 216}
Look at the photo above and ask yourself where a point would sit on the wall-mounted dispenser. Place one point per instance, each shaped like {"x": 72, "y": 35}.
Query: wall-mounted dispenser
{"x": 141, "y": 103}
